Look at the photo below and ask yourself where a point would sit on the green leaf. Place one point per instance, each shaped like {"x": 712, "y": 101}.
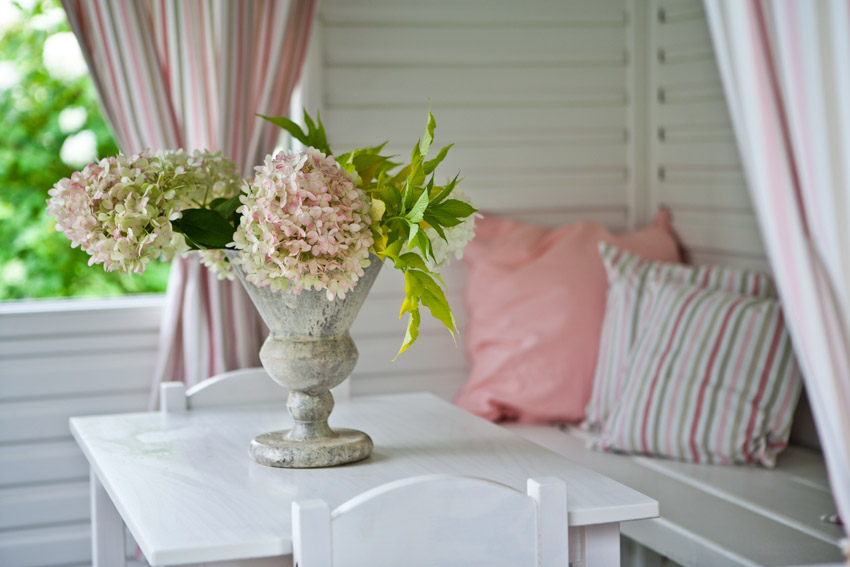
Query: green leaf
{"x": 411, "y": 260}
{"x": 401, "y": 175}
{"x": 415, "y": 178}
{"x": 439, "y": 230}
{"x": 294, "y": 129}
{"x": 389, "y": 194}
{"x": 438, "y": 218}
{"x": 206, "y": 228}
{"x": 455, "y": 208}
{"x": 414, "y": 232}
{"x": 320, "y": 133}
{"x": 189, "y": 242}
{"x": 315, "y": 135}
{"x": 227, "y": 207}
{"x": 423, "y": 243}
{"x": 311, "y": 127}
{"x": 434, "y": 299}
{"x": 345, "y": 162}
{"x": 392, "y": 252}
{"x": 367, "y": 165}
{"x": 431, "y": 165}
{"x": 446, "y": 191}
{"x": 418, "y": 211}
{"x": 412, "y": 332}
{"x": 425, "y": 143}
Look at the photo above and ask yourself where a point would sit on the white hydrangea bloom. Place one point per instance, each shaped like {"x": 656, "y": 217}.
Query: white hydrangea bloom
{"x": 9, "y": 15}
{"x": 216, "y": 261}
{"x": 79, "y": 149}
{"x": 119, "y": 210}
{"x": 72, "y": 119}
{"x": 9, "y": 75}
{"x": 48, "y": 20}
{"x": 63, "y": 58}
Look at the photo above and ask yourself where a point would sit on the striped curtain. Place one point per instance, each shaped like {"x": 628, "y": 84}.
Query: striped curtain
{"x": 786, "y": 72}
{"x": 193, "y": 74}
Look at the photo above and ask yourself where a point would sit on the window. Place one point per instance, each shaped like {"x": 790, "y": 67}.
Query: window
{"x": 51, "y": 127}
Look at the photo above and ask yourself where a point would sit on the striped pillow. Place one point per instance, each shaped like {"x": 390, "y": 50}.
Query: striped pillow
{"x": 712, "y": 378}
{"x": 626, "y": 305}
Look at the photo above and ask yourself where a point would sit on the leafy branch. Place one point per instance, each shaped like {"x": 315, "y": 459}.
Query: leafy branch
{"x": 405, "y": 202}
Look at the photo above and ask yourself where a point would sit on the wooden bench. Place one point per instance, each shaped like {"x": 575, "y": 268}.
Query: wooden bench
{"x": 717, "y": 515}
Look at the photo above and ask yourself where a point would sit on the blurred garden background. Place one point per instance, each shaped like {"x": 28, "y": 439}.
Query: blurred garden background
{"x": 51, "y": 126}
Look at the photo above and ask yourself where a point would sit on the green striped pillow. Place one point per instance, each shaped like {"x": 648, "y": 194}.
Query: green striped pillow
{"x": 712, "y": 378}
{"x": 626, "y": 305}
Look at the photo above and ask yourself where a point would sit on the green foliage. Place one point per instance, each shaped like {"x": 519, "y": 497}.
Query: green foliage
{"x": 204, "y": 228}
{"x": 315, "y": 136}
{"x": 35, "y": 260}
{"x": 403, "y": 204}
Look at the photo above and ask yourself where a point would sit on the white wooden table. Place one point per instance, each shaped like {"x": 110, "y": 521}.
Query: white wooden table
{"x": 188, "y": 491}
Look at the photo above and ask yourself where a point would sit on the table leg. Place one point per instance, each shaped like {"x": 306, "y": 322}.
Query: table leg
{"x": 107, "y": 543}
{"x": 599, "y": 546}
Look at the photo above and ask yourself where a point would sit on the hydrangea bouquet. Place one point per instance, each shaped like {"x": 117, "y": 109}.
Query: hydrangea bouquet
{"x": 306, "y": 220}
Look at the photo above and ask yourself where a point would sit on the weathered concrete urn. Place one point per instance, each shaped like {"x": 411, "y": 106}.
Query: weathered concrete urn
{"x": 310, "y": 351}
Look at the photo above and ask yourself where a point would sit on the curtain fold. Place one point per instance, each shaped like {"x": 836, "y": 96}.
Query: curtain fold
{"x": 786, "y": 73}
{"x": 194, "y": 74}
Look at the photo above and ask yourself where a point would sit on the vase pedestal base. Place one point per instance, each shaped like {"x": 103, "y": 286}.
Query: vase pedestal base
{"x": 275, "y": 450}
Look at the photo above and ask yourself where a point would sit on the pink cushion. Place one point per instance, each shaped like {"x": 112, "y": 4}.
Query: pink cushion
{"x": 535, "y": 301}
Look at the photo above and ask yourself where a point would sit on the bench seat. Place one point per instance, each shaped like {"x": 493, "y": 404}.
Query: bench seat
{"x": 718, "y": 515}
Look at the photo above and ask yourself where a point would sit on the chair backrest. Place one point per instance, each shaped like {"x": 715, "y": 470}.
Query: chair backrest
{"x": 237, "y": 387}
{"x": 437, "y": 520}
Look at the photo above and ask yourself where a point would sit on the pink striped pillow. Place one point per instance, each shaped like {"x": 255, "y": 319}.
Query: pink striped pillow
{"x": 712, "y": 378}
{"x": 626, "y": 305}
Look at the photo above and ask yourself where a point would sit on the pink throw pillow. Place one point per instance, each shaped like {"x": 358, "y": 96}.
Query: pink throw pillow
{"x": 535, "y": 300}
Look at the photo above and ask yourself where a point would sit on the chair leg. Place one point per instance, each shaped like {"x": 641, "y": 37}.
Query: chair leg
{"x": 107, "y": 528}
{"x": 311, "y": 534}
{"x": 602, "y": 545}
{"x": 551, "y": 496}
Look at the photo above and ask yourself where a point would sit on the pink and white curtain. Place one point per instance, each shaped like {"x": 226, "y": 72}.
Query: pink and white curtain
{"x": 193, "y": 74}
{"x": 786, "y": 71}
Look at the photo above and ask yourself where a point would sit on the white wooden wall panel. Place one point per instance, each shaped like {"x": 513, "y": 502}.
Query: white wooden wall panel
{"x": 26, "y": 506}
{"x": 38, "y": 547}
{"x": 474, "y": 12}
{"x": 526, "y": 92}
{"x": 535, "y": 98}
{"x": 695, "y": 167}
{"x": 60, "y": 359}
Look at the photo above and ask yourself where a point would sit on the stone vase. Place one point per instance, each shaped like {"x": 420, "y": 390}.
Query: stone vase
{"x": 309, "y": 351}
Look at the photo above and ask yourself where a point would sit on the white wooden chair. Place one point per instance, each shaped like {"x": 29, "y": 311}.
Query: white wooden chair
{"x": 436, "y": 520}
{"x": 237, "y": 387}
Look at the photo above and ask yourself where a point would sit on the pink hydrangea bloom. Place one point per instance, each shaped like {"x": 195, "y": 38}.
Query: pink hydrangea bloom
{"x": 304, "y": 225}
{"x": 120, "y": 209}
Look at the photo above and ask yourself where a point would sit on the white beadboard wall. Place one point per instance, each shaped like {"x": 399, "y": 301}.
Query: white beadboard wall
{"x": 59, "y": 359}
{"x": 694, "y": 164}
{"x": 560, "y": 111}
{"x": 535, "y": 97}
{"x": 533, "y": 94}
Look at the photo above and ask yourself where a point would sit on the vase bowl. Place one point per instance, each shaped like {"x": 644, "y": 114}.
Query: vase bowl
{"x": 309, "y": 351}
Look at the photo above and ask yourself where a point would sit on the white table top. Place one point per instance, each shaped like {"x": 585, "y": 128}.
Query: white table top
{"x": 189, "y": 492}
